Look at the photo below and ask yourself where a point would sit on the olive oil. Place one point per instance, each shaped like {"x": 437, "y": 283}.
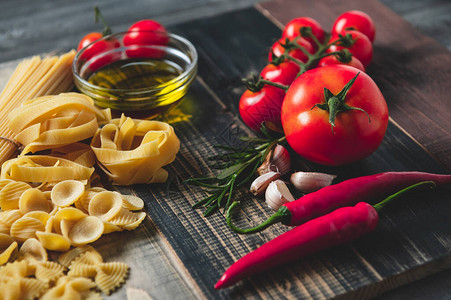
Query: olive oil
{"x": 135, "y": 74}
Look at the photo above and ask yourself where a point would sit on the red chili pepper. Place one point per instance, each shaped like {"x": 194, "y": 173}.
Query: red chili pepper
{"x": 346, "y": 193}
{"x": 338, "y": 227}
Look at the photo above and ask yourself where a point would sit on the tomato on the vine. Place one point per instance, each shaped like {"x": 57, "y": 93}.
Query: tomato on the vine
{"x": 361, "y": 48}
{"x": 356, "y": 128}
{"x": 293, "y": 29}
{"x": 356, "y": 20}
{"x": 284, "y": 73}
{"x": 278, "y": 49}
{"x": 146, "y": 33}
{"x": 333, "y": 60}
{"x": 94, "y": 46}
{"x": 262, "y": 106}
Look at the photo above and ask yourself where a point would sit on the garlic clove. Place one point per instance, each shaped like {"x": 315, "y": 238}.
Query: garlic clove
{"x": 277, "y": 160}
{"x": 308, "y": 182}
{"x": 259, "y": 185}
{"x": 277, "y": 194}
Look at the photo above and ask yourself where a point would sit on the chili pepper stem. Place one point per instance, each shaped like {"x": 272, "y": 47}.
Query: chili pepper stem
{"x": 281, "y": 216}
{"x": 427, "y": 184}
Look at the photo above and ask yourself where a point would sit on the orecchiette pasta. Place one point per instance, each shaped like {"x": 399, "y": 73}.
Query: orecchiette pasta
{"x": 66, "y": 192}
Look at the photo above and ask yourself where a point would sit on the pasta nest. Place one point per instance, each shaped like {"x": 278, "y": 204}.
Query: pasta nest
{"x": 134, "y": 151}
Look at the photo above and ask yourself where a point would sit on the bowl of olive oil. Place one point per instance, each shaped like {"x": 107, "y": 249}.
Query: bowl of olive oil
{"x": 142, "y": 80}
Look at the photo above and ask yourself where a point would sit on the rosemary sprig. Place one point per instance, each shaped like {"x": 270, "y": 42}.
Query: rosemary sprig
{"x": 238, "y": 167}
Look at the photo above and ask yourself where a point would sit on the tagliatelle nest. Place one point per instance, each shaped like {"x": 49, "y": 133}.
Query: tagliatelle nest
{"x": 134, "y": 151}
{"x": 51, "y": 121}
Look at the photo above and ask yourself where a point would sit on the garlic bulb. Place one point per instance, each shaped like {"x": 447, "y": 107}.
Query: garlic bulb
{"x": 277, "y": 194}
{"x": 277, "y": 160}
{"x": 259, "y": 185}
{"x": 308, "y": 182}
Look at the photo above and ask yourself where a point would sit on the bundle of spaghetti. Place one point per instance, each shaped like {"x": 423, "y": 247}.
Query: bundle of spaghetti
{"x": 32, "y": 78}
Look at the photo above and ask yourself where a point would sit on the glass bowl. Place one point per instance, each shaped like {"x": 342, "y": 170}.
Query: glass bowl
{"x": 127, "y": 76}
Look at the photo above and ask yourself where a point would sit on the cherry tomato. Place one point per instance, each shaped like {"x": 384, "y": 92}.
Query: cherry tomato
{"x": 308, "y": 129}
{"x": 93, "y": 49}
{"x": 333, "y": 60}
{"x": 356, "y": 20}
{"x": 283, "y": 73}
{"x": 292, "y": 29}
{"x": 146, "y": 33}
{"x": 362, "y": 48}
{"x": 277, "y": 49}
{"x": 262, "y": 106}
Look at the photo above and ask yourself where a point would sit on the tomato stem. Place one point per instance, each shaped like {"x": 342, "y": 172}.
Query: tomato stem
{"x": 98, "y": 16}
{"x": 335, "y": 104}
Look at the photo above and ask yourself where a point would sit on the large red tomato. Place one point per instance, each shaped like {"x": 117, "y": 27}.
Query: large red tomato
{"x": 359, "y": 125}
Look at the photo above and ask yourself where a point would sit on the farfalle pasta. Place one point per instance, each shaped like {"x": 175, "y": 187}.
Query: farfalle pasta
{"x": 53, "y": 121}
{"x": 134, "y": 151}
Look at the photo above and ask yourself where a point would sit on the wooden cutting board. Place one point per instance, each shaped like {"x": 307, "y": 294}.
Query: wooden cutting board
{"x": 178, "y": 254}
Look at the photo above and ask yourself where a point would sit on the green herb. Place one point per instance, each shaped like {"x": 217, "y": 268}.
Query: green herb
{"x": 238, "y": 167}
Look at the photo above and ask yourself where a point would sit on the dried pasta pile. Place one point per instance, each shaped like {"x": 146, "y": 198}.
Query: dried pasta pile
{"x": 67, "y": 215}
{"x": 74, "y": 276}
{"x": 49, "y": 198}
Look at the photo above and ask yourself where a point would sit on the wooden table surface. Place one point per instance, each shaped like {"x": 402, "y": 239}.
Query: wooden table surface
{"x": 178, "y": 254}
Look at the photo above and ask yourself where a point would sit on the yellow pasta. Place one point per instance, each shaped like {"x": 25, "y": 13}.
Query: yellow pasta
{"x": 4, "y": 228}
{"x": 55, "y": 121}
{"x": 32, "y": 200}
{"x": 23, "y": 288}
{"x": 110, "y": 276}
{"x": 133, "y": 151}
{"x": 66, "y": 192}
{"x": 33, "y": 250}
{"x": 131, "y": 202}
{"x": 16, "y": 269}
{"x": 39, "y": 215}
{"x": 8, "y": 217}
{"x": 32, "y": 78}
{"x": 44, "y": 168}
{"x": 49, "y": 271}
{"x": 86, "y": 230}
{"x": 10, "y": 194}
{"x": 90, "y": 258}
{"x": 79, "y": 153}
{"x": 125, "y": 217}
{"x": 8, "y": 248}
{"x": 69, "y": 213}
{"x": 70, "y": 288}
{"x": 105, "y": 205}
{"x": 53, "y": 241}
{"x": 139, "y": 217}
{"x": 109, "y": 227}
{"x": 25, "y": 228}
{"x": 67, "y": 258}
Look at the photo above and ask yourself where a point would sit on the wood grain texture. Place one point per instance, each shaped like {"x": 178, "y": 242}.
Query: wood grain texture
{"x": 180, "y": 254}
{"x": 411, "y": 69}
{"x": 379, "y": 262}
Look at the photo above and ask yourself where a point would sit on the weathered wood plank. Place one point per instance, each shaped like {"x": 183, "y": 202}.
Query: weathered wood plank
{"x": 207, "y": 247}
{"x": 411, "y": 69}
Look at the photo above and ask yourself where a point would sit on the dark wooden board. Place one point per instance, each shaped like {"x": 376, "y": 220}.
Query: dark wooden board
{"x": 411, "y": 242}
